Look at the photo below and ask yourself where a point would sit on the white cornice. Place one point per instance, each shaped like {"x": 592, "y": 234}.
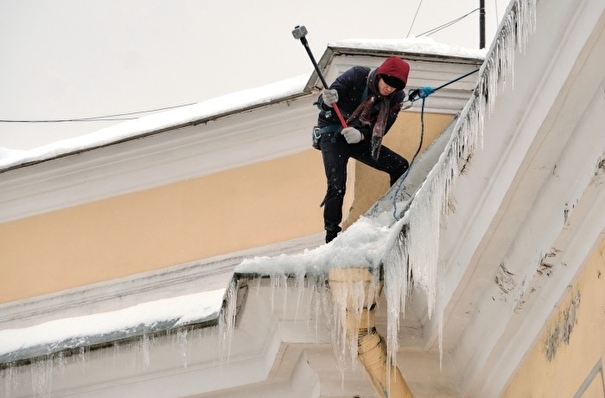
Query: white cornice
{"x": 534, "y": 190}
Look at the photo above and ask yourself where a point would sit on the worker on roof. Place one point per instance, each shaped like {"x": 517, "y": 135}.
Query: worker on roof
{"x": 369, "y": 100}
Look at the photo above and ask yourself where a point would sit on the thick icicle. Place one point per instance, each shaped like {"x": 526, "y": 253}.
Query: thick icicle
{"x": 227, "y": 322}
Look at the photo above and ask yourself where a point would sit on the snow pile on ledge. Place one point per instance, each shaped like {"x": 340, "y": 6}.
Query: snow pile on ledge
{"x": 90, "y": 329}
{"x": 361, "y": 245}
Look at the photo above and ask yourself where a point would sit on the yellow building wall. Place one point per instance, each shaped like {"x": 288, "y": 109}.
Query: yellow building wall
{"x": 186, "y": 221}
{"x": 567, "y": 359}
{"x": 147, "y": 230}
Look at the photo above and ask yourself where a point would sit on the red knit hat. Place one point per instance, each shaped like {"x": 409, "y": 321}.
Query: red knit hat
{"x": 394, "y": 71}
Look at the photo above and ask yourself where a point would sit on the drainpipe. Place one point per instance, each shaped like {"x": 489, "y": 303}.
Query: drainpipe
{"x": 371, "y": 347}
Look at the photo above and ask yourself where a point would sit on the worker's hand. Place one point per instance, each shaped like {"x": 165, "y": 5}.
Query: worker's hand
{"x": 351, "y": 134}
{"x": 330, "y": 96}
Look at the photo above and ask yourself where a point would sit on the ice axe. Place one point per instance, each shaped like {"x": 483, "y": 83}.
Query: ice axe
{"x": 300, "y": 33}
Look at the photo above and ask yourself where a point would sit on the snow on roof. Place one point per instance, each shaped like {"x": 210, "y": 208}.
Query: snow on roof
{"x": 102, "y": 327}
{"x": 176, "y": 117}
{"x": 419, "y": 45}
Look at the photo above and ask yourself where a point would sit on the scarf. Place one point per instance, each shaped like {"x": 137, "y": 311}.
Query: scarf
{"x": 364, "y": 114}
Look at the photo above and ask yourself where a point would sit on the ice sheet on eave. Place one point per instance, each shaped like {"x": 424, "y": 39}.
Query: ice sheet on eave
{"x": 89, "y": 330}
{"x": 220, "y": 105}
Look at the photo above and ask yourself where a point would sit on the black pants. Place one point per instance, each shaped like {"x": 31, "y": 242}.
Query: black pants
{"x": 336, "y": 153}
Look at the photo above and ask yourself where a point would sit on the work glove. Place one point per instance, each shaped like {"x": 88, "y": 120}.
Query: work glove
{"x": 330, "y": 96}
{"x": 351, "y": 134}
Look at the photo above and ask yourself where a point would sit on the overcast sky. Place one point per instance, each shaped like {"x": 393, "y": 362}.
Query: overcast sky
{"x": 66, "y": 59}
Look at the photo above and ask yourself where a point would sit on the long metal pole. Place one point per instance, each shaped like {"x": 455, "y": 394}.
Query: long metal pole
{"x": 300, "y": 33}
{"x": 481, "y": 24}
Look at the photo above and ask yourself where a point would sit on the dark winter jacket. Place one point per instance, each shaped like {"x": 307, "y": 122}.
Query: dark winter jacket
{"x": 350, "y": 86}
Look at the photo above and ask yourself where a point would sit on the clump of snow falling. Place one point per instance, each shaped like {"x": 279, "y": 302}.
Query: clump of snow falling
{"x": 409, "y": 248}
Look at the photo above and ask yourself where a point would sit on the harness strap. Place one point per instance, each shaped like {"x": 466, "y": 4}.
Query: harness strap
{"x": 329, "y": 129}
